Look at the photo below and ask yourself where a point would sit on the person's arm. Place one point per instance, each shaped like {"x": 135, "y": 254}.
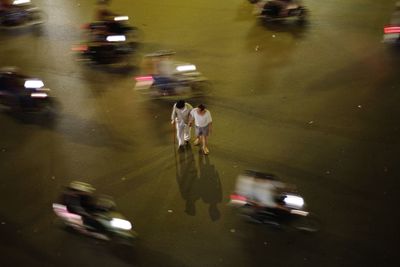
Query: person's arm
{"x": 191, "y": 117}
{"x": 173, "y": 114}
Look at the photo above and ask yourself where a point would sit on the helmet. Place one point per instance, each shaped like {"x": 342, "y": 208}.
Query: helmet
{"x": 81, "y": 186}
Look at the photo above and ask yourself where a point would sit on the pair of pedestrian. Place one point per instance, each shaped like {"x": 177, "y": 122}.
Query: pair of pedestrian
{"x": 184, "y": 116}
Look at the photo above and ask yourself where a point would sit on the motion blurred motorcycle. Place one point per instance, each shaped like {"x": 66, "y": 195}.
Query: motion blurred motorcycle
{"x": 183, "y": 79}
{"x": 106, "y": 50}
{"x": 21, "y": 14}
{"x": 292, "y": 211}
{"x": 109, "y": 42}
{"x": 99, "y": 219}
{"x": 391, "y": 32}
{"x": 271, "y": 11}
{"x": 19, "y": 92}
{"x": 114, "y": 24}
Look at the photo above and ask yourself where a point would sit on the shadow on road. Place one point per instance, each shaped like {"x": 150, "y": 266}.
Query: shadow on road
{"x": 198, "y": 183}
{"x": 92, "y": 133}
{"x": 46, "y": 118}
{"x": 294, "y": 28}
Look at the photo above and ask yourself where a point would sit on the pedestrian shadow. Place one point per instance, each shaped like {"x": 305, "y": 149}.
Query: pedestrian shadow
{"x": 186, "y": 177}
{"x": 200, "y": 182}
{"x": 295, "y": 28}
{"x": 210, "y": 186}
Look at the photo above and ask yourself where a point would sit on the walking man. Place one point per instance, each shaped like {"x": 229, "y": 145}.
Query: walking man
{"x": 203, "y": 121}
{"x": 180, "y": 116}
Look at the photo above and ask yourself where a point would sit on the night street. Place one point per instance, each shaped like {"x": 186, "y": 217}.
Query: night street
{"x": 315, "y": 104}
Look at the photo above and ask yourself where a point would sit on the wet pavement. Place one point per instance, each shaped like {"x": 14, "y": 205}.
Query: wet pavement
{"x": 316, "y": 104}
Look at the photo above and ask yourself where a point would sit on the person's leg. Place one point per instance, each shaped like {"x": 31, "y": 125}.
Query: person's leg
{"x": 205, "y": 148}
{"x": 197, "y": 132}
{"x": 180, "y": 133}
{"x": 205, "y": 139}
{"x": 186, "y": 133}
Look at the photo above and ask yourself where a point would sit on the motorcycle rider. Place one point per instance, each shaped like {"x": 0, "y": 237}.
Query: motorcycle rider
{"x": 102, "y": 12}
{"x": 163, "y": 69}
{"x": 261, "y": 190}
{"x": 282, "y": 6}
{"x": 78, "y": 198}
{"x": 105, "y": 19}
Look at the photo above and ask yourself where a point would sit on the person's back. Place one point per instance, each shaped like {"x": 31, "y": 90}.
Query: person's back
{"x": 102, "y": 11}
{"x": 71, "y": 199}
{"x": 260, "y": 188}
{"x": 265, "y": 193}
{"x": 165, "y": 67}
{"x": 76, "y": 195}
{"x": 88, "y": 203}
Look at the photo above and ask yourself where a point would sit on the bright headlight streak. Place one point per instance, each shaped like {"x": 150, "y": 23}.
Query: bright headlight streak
{"x": 120, "y": 223}
{"x": 296, "y": 201}
{"x": 186, "y": 68}
{"x": 20, "y": 2}
{"x": 116, "y": 38}
{"x": 121, "y": 18}
{"x": 299, "y": 212}
{"x": 33, "y": 84}
{"x": 39, "y": 95}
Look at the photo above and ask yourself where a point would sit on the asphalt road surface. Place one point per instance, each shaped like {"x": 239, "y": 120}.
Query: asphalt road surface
{"x": 315, "y": 104}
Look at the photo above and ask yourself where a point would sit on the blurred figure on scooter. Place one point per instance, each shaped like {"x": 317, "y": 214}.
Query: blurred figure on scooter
{"x": 261, "y": 189}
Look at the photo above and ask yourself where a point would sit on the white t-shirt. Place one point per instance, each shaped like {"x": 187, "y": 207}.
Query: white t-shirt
{"x": 201, "y": 120}
{"x": 166, "y": 68}
{"x": 181, "y": 115}
{"x": 261, "y": 191}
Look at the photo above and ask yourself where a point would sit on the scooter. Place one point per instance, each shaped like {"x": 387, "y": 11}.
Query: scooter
{"x": 114, "y": 24}
{"x": 294, "y": 216}
{"x": 23, "y": 93}
{"x": 289, "y": 209}
{"x": 185, "y": 80}
{"x": 109, "y": 224}
{"x": 22, "y": 14}
{"x": 106, "y": 50}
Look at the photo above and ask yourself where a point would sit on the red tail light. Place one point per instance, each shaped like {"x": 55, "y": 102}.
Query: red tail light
{"x": 80, "y": 48}
{"x": 144, "y": 78}
{"x": 391, "y": 29}
{"x": 238, "y": 197}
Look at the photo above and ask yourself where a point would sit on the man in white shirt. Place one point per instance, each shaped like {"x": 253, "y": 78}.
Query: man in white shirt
{"x": 203, "y": 122}
{"x": 180, "y": 116}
